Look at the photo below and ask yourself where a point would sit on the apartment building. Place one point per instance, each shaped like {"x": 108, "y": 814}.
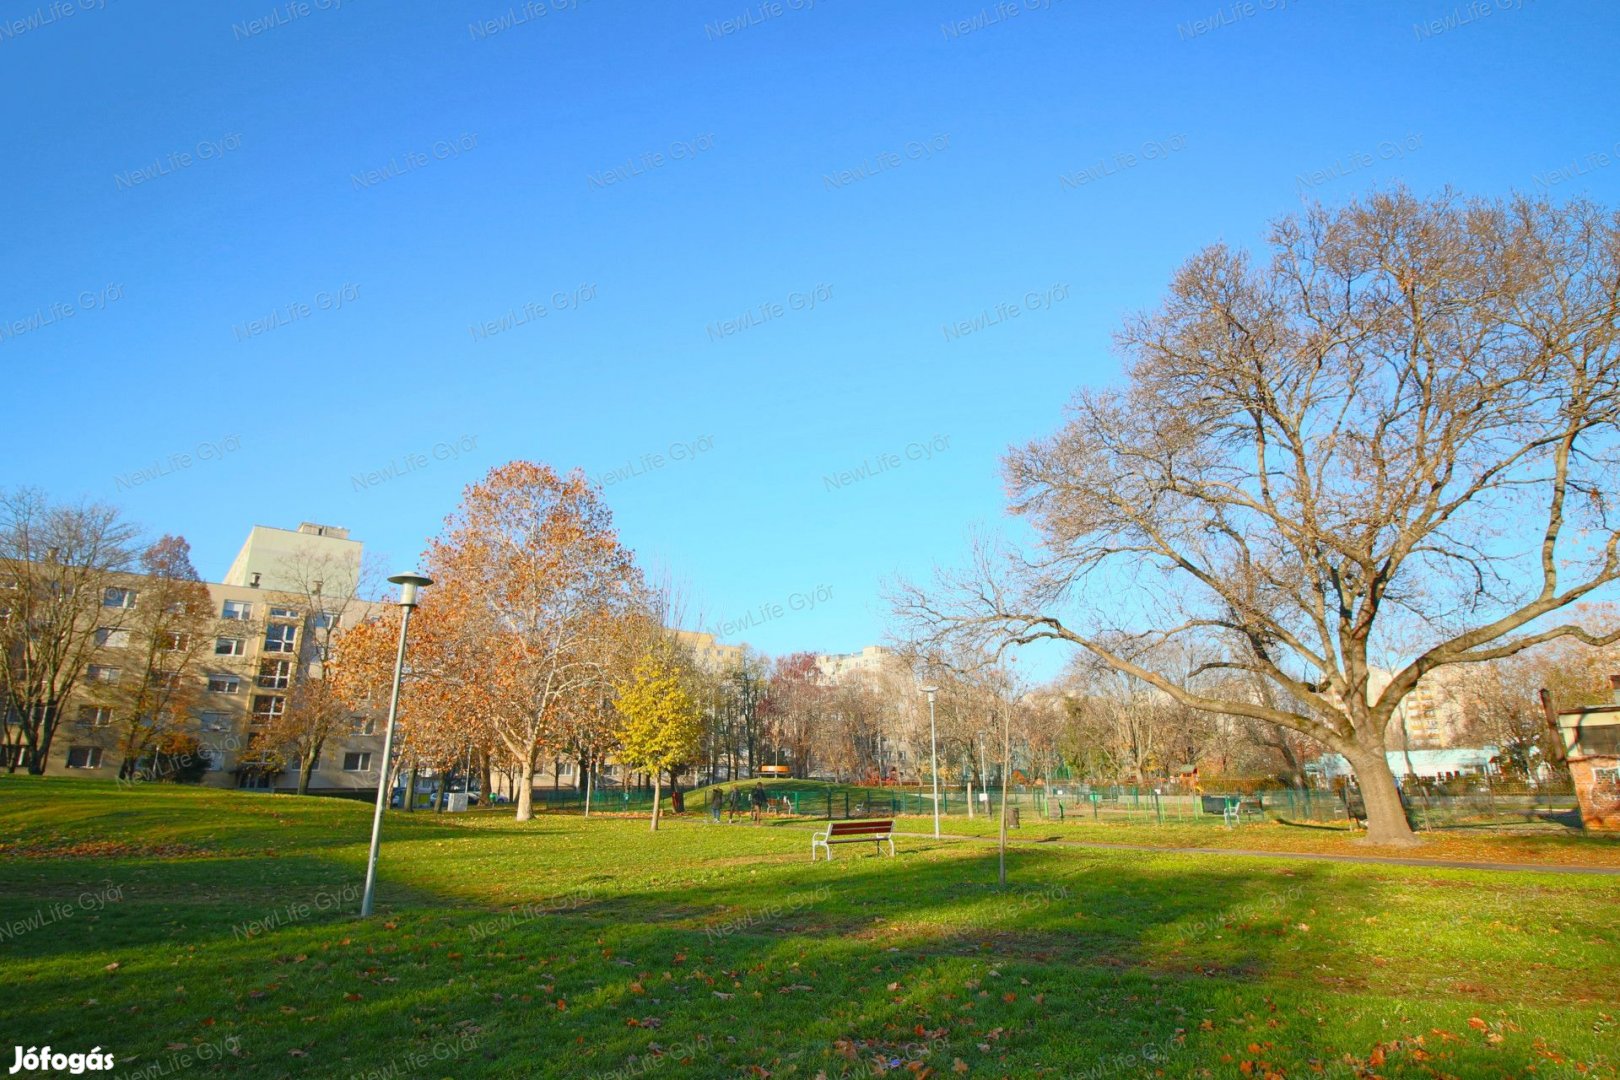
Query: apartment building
{"x": 873, "y": 659}
{"x": 709, "y": 653}
{"x": 285, "y": 595}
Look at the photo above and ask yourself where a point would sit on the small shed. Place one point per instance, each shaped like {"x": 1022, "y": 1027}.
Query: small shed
{"x": 1591, "y": 738}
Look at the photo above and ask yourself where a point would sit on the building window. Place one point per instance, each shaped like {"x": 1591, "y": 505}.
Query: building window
{"x": 102, "y": 674}
{"x": 1608, "y": 777}
{"x": 118, "y": 598}
{"x": 327, "y": 620}
{"x": 268, "y": 707}
{"x": 237, "y": 609}
{"x": 280, "y": 637}
{"x": 230, "y": 646}
{"x": 1600, "y": 740}
{"x": 283, "y": 613}
{"x": 212, "y": 760}
{"x": 164, "y": 680}
{"x": 84, "y": 757}
{"x": 357, "y": 761}
{"x": 95, "y": 715}
{"x": 362, "y": 725}
{"x": 176, "y": 642}
{"x": 224, "y": 684}
{"x": 275, "y": 674}
{"x": 215, "y": 721}
{"x": 110, "y": 638}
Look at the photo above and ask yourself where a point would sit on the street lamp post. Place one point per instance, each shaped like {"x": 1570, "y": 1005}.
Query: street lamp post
{"x": 933, "y": 753}
{"x": 408, "y": 586}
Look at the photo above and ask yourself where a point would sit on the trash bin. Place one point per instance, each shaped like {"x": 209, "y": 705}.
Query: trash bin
{"x": 1012, "y": 817}
{"x": 457, "y": 801}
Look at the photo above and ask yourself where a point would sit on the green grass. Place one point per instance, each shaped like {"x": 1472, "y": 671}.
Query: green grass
{"x": 220, "y": 936}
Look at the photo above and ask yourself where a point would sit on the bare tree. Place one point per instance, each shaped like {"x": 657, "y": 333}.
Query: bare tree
{"x": 325, "y": 593}
{"x": 166, "y": 633}
{"x": 59, "y": 586}
{"x": 1394, "y": 444}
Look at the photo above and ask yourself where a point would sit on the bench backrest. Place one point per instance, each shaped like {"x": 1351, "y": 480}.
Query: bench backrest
{"x": 859, "y": 828}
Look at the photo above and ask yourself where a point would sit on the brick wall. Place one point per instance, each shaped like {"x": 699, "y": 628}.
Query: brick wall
{"x": 1600, "y": 802}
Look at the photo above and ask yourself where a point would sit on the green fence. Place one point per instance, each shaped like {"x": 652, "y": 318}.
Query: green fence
{"x": 1476, "y": 802}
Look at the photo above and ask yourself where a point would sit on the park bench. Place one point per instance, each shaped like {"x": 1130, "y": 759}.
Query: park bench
{"x": 852, "y": 832}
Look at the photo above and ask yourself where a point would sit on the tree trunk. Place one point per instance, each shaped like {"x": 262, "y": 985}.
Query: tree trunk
{"x": 525, "y": 792}
{"x": 485, "y": 779}
{"x": 1386, "y": 817}
{"x": 42, "y": 745}
{"x": 304, "y": 771}
{"x": 590, "y": 785}
{"x": 1296, "y": 770}
{"x": 658, "y": 787}
{"x": 409, "y": 798}
{"x": 1006, "y": 767}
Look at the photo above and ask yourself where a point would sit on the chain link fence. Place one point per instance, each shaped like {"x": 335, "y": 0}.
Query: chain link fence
{"x": 1471, "y": 801}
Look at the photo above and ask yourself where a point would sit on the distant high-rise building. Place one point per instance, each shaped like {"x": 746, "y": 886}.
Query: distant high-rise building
{"x": 271, "y": 557}
{"x": 711, "y": 654}
{"x": 873, "y": 659}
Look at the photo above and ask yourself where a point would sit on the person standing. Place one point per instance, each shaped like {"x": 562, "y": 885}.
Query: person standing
{"x": 759, "y": 800}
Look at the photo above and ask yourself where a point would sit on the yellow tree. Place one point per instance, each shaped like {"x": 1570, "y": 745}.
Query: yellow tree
{"x": 662, "y": 727}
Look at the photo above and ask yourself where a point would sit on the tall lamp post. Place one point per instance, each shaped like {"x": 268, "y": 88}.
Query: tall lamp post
{"x": 408, "y": 586}
{"x": 933, "y": 752}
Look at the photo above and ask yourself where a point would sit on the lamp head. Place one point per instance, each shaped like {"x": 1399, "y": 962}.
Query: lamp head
{"x": 408, "y": 585}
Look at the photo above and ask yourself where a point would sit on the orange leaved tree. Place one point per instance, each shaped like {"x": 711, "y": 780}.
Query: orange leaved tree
{"x": 532, "y": 575}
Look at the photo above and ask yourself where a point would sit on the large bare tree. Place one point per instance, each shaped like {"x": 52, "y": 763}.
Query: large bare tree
{"x": 57, "y": 563}
{"x": 167, "y": 630}
{"x": 1388, "y": 448}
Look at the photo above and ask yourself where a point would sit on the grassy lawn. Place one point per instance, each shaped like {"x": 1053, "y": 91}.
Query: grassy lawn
{"x": 191, "y": 932}
{"x": 1528, "y": 842}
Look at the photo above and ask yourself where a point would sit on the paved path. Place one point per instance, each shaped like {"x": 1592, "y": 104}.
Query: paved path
{"x": 1386, "y": 860}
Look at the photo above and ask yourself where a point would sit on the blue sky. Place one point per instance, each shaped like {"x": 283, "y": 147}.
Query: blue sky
{"x": 280, "y": 242}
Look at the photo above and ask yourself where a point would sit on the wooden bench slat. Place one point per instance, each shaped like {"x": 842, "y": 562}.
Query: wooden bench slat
{"x": 847, "y": 828}
{"x": 854, "y": 832}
